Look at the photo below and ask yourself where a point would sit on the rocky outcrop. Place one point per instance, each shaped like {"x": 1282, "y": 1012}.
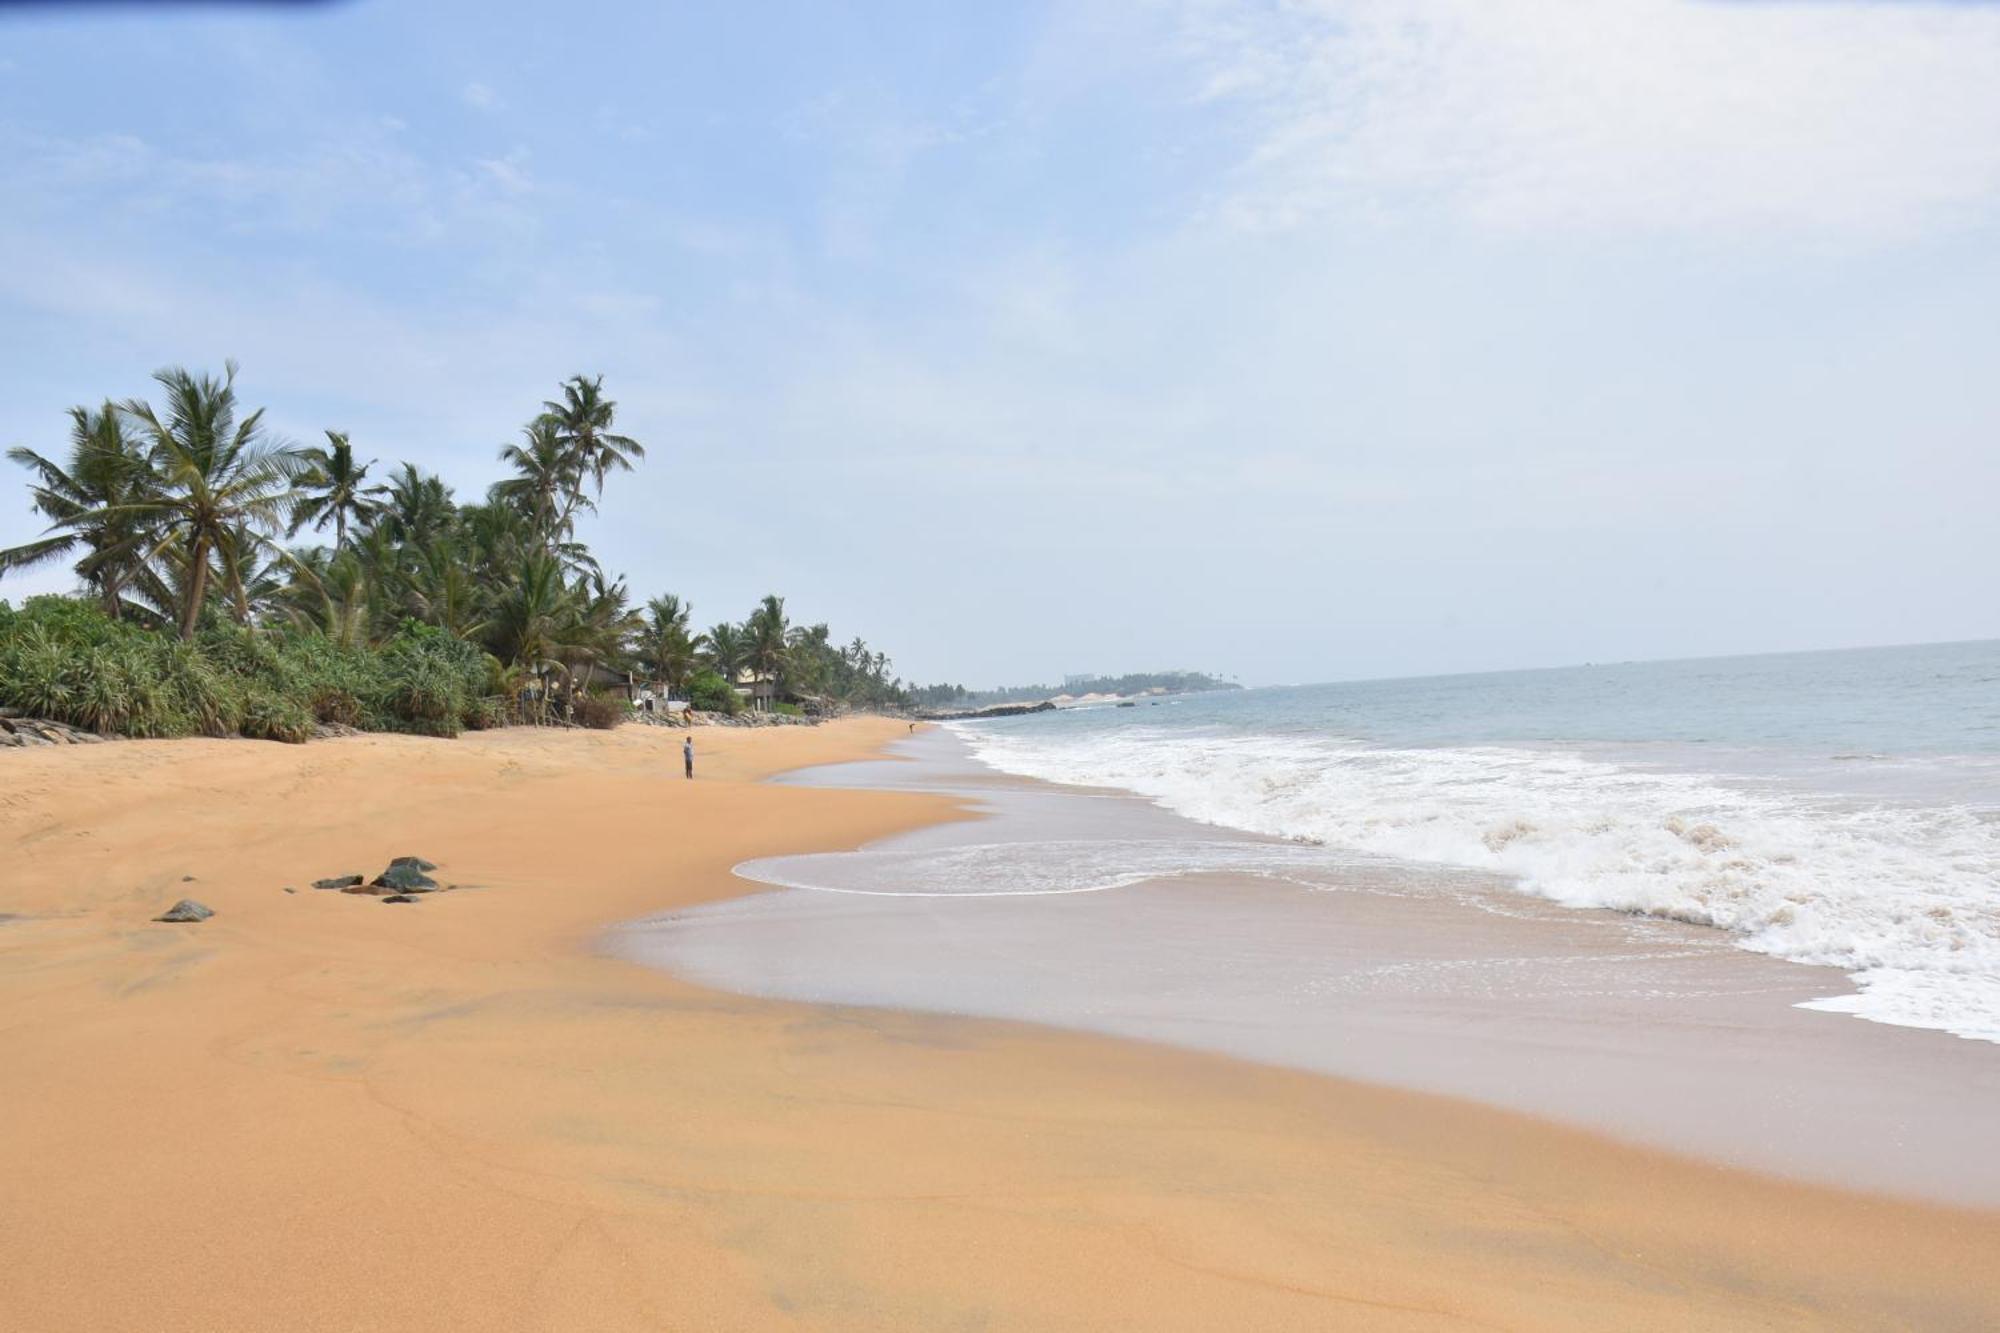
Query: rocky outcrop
{"x": 19, "y": 733}
{"x": 187, "y": 909}
{"x": 339, "y": 882}
{"x": 992, "y": 710}
{"x": 749, "y": 719}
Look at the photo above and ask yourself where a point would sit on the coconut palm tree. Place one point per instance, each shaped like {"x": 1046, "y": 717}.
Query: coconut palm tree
{"x": 728, "y": 649}
{"x": 767, "y": 629}
{"x": 440, "y": 589}
{"x": 809, "y": 658}
{"x": 534, "y": 619}
{"x": 89, "y": 503}
{"x": 582, "y": 421}
{"x": 414, "y": 507}
{"x": 332, "y": 490}
{"x": 605, "y": 623}
{"x": 220, "y": 482}
{"x": 331, "y": 594}
{"x": 250, "y": 582}
{"x": 548, "y": 483}
{"x": 668, "y": 647}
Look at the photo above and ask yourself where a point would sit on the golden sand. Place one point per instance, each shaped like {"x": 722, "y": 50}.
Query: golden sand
{"x": 317, "y": 1111}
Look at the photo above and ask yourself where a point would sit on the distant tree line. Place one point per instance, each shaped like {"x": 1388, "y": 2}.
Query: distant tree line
{"x": 199, "y": 612}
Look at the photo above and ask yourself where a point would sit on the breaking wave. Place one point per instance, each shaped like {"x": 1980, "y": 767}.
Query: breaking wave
{"x": 1903, "y": 896}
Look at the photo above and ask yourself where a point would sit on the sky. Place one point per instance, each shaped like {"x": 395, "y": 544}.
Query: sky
{"x": 1296, "y": 341}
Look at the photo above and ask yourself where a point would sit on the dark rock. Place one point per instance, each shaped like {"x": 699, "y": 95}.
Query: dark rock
{"x": 290, "y": 889}
{"x": 16, "y": 730}
{"x": 992, "y": 710}
{"x": 187, "y": 879}
{"x": 399, "y": 898}
{"x": 404, "y": 878}
{"x": 416, "y": 861}
{"x": 339, "y": 882}
{"x": 187, "y": 909}
{"x": 371, "y": 890}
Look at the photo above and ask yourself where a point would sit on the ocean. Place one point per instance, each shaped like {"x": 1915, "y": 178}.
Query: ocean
{"x": 1833, "y": 808}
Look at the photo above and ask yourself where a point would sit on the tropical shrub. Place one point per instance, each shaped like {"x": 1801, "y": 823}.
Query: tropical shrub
{"x": 66, "y": 660}
{"x": 709, "y": 692}
{"x": 268, "y": 716}
{"x": 601, "y": 712}
{"x": 486, "y": 713}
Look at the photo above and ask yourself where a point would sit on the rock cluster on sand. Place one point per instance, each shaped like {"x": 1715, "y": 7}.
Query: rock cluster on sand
{"x": 21, "y": 732}
{"x": 405, "y": 875}
{"x": 187, "y": 909}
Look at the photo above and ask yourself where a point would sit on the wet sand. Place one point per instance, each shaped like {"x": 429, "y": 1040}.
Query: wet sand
{"x": 318, "y": 1111}
{"x": 1425, "y": 978}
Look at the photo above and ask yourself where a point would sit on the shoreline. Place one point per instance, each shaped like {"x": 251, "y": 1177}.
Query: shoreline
{"x": 315, "y": 1110}
{"x": 1098, "y": 911}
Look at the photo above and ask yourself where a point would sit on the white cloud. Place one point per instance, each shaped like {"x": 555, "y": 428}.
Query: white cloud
{"x": 1846, "y": 120}
{"x": 510, "y": 173}
{"x": 480, "y": 97}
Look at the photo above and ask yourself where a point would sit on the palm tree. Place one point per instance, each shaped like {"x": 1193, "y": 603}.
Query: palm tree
{"x": 89, "y": 503}
{"x": 533, "y": 620}
{"x": 440, "y": 589}
{"x": 251, "y": 583}
{"x": 415, "y": 507}
{"x": 220, "y": 482}
{"x": 667, "y": 644}
{"x": 808, "y": 655}
{"x": 605, "y": 623}
{"x": 330, "y": 594}
{"x": 332, "y": 486}
{"x": 548, "y": 486}
{"x": 766, "y": 650}
{"x": 582, "y": 421}
{"x": 728, "y": 649}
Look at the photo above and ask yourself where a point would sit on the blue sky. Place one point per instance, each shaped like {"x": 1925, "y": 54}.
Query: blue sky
{"x": 1295, "y": 341}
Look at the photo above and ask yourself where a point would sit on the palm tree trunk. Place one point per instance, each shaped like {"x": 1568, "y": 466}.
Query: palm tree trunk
{"x": 197, "y": 587}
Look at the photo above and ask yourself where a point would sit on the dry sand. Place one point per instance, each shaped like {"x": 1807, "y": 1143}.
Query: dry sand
{"x": 318, "y": 1111}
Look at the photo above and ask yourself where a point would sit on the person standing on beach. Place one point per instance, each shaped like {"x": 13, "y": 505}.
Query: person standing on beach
{"x": 687, "y": 756}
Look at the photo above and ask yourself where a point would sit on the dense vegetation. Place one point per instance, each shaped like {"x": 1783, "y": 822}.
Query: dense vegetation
{"x": 423, "y": 614}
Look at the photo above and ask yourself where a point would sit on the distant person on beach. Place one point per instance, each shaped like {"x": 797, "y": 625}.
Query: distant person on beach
{"x": 687, "y": 756}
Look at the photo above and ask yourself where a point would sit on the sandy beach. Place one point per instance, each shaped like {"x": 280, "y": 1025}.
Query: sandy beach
{"x": 319, "y": 1111}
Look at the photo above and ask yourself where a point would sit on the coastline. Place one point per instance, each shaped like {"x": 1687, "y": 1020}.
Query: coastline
{"x": 1097, "y": 910}
{"x": 315, "y": 1110}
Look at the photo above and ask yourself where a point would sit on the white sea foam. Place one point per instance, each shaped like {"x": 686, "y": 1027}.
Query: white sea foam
{"x": 1053, "y": 867}
{"x": 1904, "y": 897}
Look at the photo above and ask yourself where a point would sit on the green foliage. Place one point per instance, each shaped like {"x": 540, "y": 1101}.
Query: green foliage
{"x": 709, "y": 692}
{"x": 269, "y": 716}
{"x": 788, "y": 709}
{"x": 67, "y": 660}
{"x": 431, "y": 681}
{"x": 486, "y": 713}
{"x": 425, "y": 615}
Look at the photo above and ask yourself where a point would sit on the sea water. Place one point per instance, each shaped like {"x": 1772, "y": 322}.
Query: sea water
{"x": 1835, "y": 808}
